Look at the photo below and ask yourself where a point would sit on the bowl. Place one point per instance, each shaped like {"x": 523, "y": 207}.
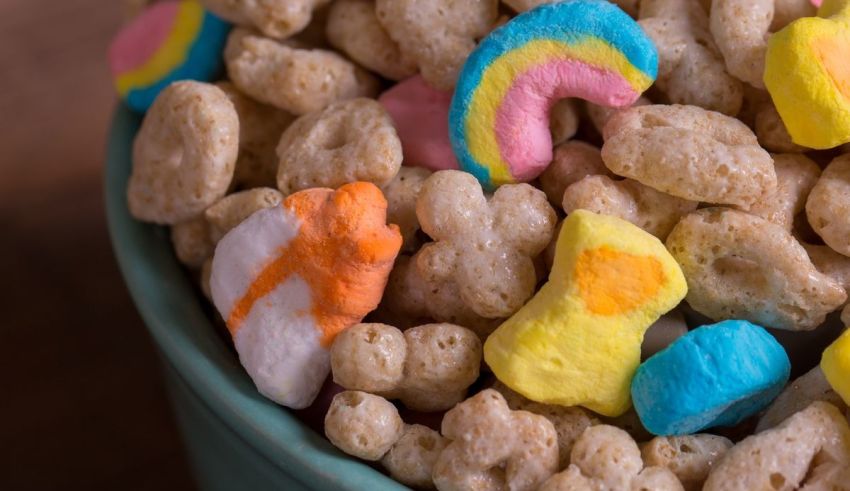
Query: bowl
{"x": 236, "y": 438}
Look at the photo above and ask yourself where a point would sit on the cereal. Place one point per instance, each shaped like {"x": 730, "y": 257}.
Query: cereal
{"x": 651, "y": 210}
{"x": 668, "y": 328}
{"x": 740, "y": 29}
{"x": 274, "y": 18}
{"x": 772, "y": 133}
{"x": 347, "y": 141}
{"x": 674, "y": 395}
{"x": 492, "y": 447}
{"x": 401, "y": 194}
{"x": 599, "y": 115}
{"x": 796, "y": 175}
{"x": 805, "y": 73}
{"x": 830, "y": 263}
{"x": 691, "y": 69}
{"x": 828, "y": 205}
{"x": 260, "y": 127}
{"x": 835, "y": 364}
{"x": 740, "y": 266}
{"x": 191, "y": 241}
{"x": 563, "y": 120}
{"x": 572, "y": 161}
{"x": 810, "y": 446}
{"x": 428, "y": 367}
{"x": 569, "y": 422}
{"x": 353, "y": 28}
{"x": 689, "y": 152}
{"x": 184, "y": 153}
{"x": 577, "y": 342}
{"x": 798, "y": 395}
{"x": 689, "y": 457}
{"x": 499, "y": 117}
{"x": 363, "y": 425}
{"x": 231, "y": 210}
{"x": 787, "y": 11}
{"x": 206, "y": 272}
{"x": 438, "y": 35}
{"x": 167, "y": 42}
{"x": 487, "y": 250}
{"x": 629, "y": 6}
{"x": 421, "y": 117}
{"x": 411, "y": 459}
{"x": 296, "y": 80}
{"x": 606, "y": 458}
{"x": 290, "y": 278}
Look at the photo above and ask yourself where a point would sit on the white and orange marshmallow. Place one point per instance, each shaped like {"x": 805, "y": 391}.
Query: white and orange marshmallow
{"x": 289, "y": 278}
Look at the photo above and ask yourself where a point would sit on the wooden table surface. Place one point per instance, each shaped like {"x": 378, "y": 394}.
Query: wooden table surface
{"x": 82, "y": 403}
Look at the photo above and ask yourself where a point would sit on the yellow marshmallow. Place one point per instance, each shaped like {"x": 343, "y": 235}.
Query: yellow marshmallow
{"x": 577, "y": 342}
{"x": 835, "y": 364}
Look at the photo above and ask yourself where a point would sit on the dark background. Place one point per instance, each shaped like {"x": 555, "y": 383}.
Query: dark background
{"x": 82, "y": 405}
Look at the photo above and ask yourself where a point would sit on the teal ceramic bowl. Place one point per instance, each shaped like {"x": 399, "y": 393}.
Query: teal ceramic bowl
{"x": 237, "y": 440}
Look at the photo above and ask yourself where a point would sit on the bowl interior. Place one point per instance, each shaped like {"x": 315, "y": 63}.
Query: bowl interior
{"x": 172, "y": 310}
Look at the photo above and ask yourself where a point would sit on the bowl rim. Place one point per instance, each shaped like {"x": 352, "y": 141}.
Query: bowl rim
{"x": 169, "y": 306}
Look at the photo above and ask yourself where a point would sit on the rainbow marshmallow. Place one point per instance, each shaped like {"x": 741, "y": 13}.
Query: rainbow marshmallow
{"x": 169, "y": 41}
{"x": 499, "y": 116}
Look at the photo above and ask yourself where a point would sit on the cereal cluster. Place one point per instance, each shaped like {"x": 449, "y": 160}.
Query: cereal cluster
{"x": 409, "y": 197}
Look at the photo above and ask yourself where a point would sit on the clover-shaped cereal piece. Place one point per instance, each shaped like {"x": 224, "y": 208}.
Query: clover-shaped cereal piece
{"x": 411, "y": 459}
{"x": 689, "y": 152}
{"x": 363, "y": 425}
{"x": 231, "y": 210}
{"x": 599, "y": 115}
{"x": 606, "y": 458}
{"x": 439, "y": 35}
{"x": 563, "y": 120}
{"x": 740, "y": 266}
{"x": 347, "y": 141}
{"x": 184, "y": 153}
{"x": 260, "y": 127}
{"x": 690, "y": 67}
{"x": 798, "y": 395}
{"x": 689, "y": 457}
{"x": 296, "y": 80}
{"x": 740, "y": 29}
{"x": 830, "y": 263}
{"x": 401, "y": 194}
{"x": 828, "y": 206}
{"x": 651, "y": 210}
{"x": 428, "y": 367}
{"x": 353, "y": 28}
{"x": 811, "y": 447}
{"x": 493, "y": 447}
{"x": 772, "y": 133}
{"x": 571, "y": 162}
{"x": 191, "y": 241}
{"x": 487, "y": 248}
{"x": 796, "y": 175}
{"x": 274, "y": 18}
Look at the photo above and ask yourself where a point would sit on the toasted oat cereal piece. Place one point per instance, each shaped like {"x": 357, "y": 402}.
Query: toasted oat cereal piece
{"x": 563, "y": 120}
{"x": 191, "y": 241}
{"x": 689, "y": 457}
{"x": 668, "y": 328}
{"x": 549, "y": 252}
{"x": 828, "y": 206}
{"x": 348, "y": 141}
{"x": 629, "y": 6}
{"x": 353, "y": 28}
{"x": 260, "y": 127}
{"x": 690, "y": 67}
{"x": 441, "y": 357}
{"x": 740, "y": 29}
{"x": 401, "y": 194}
{"x": 369, "y": 357}
{"x": 439, "y": 35}
{"x": 810, "y": 446}
{"x": 830, "y": 263}
{"x": 651, "y": 210}
{"x": 184, "y": 153}
{"x": 572, "y": 162}
{"x": 787, "y": 11}
{"x": 754, "y": 101}
{"x": 689, "y": 152}
{"x": 796, "y": 175}
{"x": 411, "y": 460}
{"x": 486, "y": 251}
{"x": 206, "y": 272}
{"x": 492, "y": 447}
{"x": 569, "y": 422}
{"x": 363, "y": 425}
{"x": 798, "y": 395}
{"x": 599, "y": 115}
{"x": 274, "y": 18}
{"x": 740, "y": 266}
{"x": 232, "y": 209}
{"x": 296, "y": 80}
{"x": 772, "y": 133}
{"x": 606, "y": 458}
